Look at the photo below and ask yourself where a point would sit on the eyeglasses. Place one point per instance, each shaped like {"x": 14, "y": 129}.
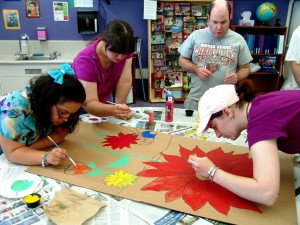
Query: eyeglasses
{"x": 65, "y": 115}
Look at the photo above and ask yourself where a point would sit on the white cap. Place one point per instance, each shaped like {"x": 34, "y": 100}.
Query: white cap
{"x": 214, "y": 100}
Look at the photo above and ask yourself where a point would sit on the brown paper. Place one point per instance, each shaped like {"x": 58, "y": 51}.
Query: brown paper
{"x": 87, "y": 145}
{"x": 69, "y": 207}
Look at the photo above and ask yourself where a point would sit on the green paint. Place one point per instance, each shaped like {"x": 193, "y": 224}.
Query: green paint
{"x": 118, "y": 153}
{"x": 21, "y": 185}
{"x": 103, "y": 134}
{"x": 97, "y": 172}
{"x": 92, "y": 165}
{"x": 124, "y": 161}
{"x": 61, "y": 206}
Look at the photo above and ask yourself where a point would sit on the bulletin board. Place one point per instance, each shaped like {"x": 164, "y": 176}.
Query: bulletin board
{"x": 151, "y": 167}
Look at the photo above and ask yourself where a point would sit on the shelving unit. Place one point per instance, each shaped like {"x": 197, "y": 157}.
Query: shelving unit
{"x": 267, "y": 45}
{"x": 176, "y": 20}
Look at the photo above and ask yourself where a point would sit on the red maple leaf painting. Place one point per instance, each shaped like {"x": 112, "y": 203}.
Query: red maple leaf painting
{"x": 178, "y": 178}
{"x": 121, "y": 141}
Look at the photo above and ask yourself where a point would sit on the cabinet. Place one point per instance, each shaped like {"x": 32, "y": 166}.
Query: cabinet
{"x": 175, "y": 21}
{"x": 16, "y": 76}
{"x": 267, "y": 46}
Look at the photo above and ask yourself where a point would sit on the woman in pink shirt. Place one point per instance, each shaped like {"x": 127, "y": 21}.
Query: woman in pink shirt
{"x": 104, "y": 69}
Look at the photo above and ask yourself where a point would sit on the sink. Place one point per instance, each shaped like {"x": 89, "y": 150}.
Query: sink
{"x": 35, "y": 58}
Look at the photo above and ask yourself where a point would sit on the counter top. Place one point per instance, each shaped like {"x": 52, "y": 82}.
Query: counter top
{"x": 12, "y": 59}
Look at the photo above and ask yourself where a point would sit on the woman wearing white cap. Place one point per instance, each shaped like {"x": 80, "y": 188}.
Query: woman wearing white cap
{"x": 272, "y": 122}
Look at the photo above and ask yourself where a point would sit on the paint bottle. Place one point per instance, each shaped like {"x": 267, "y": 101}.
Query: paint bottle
{"x": 169, "y": 109}
{"x": 169, "y": 94}
{"x": 151, "y": 117}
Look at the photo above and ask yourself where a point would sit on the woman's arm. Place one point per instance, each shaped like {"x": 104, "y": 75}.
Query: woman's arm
{"x": 93, "y": 106}
{"x": 263, "y": 187}
{"x": 125, "y": 83}
{"x": 58, "y": 135}
{"x": 17, "y": 152}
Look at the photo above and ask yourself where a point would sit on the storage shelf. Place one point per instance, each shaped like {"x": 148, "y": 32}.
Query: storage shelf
{"x": 165, "y": 34}
{"x": 265, "y": 81}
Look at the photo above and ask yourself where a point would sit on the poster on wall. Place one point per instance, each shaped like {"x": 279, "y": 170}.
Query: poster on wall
{"x": 11, "y": 19}
{"x": 60, "y": 10}
{"x": 81, "y": 3}
{"x": 32, "y": 8}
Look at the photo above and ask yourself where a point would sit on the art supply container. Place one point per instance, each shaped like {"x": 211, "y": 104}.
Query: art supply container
{"x": 32, "y": 200}
{"x": 189, "y": 112}
{"x": 151, "y": 117}
{"x": 169, "y": 110}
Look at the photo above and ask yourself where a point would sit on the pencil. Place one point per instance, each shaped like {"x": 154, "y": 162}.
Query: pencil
{"x": 60, "y": 147}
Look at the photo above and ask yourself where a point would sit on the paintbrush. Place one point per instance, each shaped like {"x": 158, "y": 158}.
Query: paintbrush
{"x": 143, "y": 115}
{"x": 60, "y": 147}
{"x": 181, "y": 129}
{"x": 110, "y": 102}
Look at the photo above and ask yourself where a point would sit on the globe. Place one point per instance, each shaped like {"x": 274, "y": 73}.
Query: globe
{"x": 266, "y": 12}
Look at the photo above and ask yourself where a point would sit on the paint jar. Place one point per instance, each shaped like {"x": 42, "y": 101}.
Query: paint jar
{"x": 169, "y": 110}
{"x": 32, "y": 200}
{"x": 189, "y": 112}
{"x": 151, "y": 117}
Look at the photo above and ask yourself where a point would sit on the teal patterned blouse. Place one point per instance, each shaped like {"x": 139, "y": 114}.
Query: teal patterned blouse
{"x": 16, "y": 118}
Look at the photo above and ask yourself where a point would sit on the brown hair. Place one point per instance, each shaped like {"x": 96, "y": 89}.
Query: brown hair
{"x": 246, "y": 92}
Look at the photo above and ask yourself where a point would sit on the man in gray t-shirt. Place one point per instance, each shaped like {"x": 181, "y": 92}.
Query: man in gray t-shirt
{"x": 214, "y": 55}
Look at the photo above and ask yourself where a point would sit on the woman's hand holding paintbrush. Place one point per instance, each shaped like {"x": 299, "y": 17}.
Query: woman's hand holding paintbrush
{"x": 58, "y": 154}
{"x": 121, "y": 111}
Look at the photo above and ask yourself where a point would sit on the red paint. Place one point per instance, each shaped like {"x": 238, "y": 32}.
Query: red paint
{"x": 178, "y": 179}
{"x": 121, "y": 141}
{"x": 169, "y": 109}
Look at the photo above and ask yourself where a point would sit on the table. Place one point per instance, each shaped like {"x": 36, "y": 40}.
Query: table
{"x": 121, "y": 211}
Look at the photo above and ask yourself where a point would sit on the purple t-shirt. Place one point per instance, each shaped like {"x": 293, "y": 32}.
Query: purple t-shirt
{"x": 87, "y": 67}
{"x": 276, "y": 115}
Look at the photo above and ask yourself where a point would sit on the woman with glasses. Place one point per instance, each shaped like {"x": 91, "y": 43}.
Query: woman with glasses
{"x": 48, "y": 106}
{"x": 104, "y": 69}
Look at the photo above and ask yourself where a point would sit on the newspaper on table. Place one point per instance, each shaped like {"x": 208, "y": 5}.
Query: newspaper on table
{"x": 14, "y": 211}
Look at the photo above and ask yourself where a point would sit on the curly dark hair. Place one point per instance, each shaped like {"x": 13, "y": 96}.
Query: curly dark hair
{"x": 46, "y": 93}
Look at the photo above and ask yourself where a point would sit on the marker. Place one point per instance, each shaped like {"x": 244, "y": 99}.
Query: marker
{"x": 60, "y": 147}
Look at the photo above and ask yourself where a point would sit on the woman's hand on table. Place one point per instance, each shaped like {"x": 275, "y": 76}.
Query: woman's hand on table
{"x": 122, "y": 111}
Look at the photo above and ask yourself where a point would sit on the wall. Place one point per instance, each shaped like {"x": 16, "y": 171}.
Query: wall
{"x": 130, "y": 10}
{"x": 133, "y": 13}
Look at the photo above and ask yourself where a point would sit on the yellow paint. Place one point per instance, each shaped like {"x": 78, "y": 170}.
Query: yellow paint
{"x": 120, "y": 179}
{"x": 31, "y": 198}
